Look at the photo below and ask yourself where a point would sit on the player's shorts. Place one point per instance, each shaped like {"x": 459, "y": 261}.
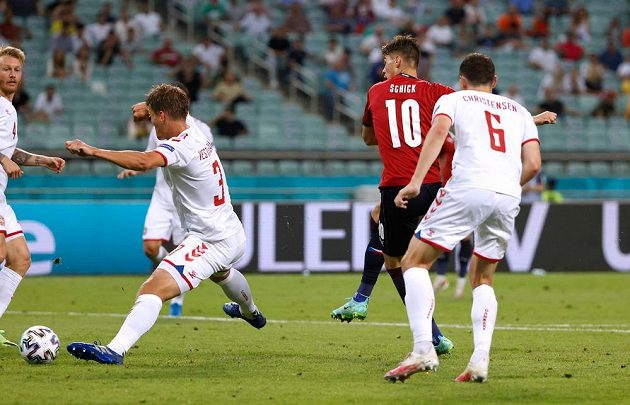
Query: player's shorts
{"x": 162, "y": 223}
{"x": 457, "y": 212}
{"x": 194, "y": 260}
{"x": 9, "y": 226}
{"x": 396, "y": 225}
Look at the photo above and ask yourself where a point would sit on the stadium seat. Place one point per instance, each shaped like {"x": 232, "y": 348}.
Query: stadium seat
{"x": 599, "y": 169}
{"x": 312, "y": 168}
{"x": 577, "y": 169}
{"x": 335, "y": 168}
{"x": 243, "y": 168}
{"x": 266, "y": 168}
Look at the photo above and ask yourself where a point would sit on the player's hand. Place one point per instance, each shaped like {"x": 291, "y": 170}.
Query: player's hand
{"x": 125, "y": 174}
{"x": 410, "y": 191}
{"x": 546, "y": 117}
{"x": 140, "y": 112}
{"x": 12, "y": 169}
{"x": 55, "y": 164}
{"x": 78, "y": 147}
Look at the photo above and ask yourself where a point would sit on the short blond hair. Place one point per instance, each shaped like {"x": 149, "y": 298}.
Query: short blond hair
{"x": 14, "y": 52}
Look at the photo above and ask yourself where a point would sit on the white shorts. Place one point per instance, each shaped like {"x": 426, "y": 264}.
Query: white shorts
{"x": 9, "y": 226}
{"x": 162, "y": 223}
{"x": 456, "y": 212}
{"x": 195, "y": 260}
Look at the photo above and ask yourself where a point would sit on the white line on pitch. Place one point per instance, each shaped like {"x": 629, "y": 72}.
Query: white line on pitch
{"x": 537, "y": 327}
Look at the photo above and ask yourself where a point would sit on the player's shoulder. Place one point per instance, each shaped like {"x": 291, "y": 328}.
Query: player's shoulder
{"x": 6, "y": 107}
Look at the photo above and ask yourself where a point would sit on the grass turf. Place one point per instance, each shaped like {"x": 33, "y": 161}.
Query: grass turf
{"x": 563, "y": 338}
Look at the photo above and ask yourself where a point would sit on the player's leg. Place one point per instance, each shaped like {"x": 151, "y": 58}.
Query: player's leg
{"x": 440, "y": 283}
{"x": 14, "y": 249}
{"x": 464, "y": 254}
{"x": 178, "y": 235}
{"x": 154, "y": 250}
{"x": 357, "y": 306}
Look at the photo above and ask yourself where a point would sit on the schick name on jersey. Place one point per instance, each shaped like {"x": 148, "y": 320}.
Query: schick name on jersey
{"x": 402, "y": 88}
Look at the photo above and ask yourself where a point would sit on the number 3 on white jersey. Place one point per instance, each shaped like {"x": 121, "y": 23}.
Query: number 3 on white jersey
{"x": 410, "y": 113}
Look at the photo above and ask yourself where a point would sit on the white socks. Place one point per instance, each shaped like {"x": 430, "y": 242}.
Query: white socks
{"x": 141, "y": 318}
{"x": 9, "y": 281}
{"x": 483, "y": 315}
{"x": 420, "y": 302}
{"x": 178, "y": 300}
{"x": 236, "y": 288}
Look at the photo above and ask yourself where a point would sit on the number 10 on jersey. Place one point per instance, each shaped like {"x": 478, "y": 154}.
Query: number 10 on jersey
{"x": 410, "y": 115}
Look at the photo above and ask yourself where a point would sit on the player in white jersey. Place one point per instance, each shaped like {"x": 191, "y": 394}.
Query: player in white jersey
{"x": 497, "y": 151}
{"x": 162, "y": 223}
{"x": 215, "y": 238}
{"x": 13, "y": 246}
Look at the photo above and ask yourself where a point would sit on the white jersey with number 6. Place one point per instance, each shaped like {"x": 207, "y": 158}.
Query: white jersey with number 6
{"x": 200, "y": 192}
{"x": 8, "y": 138}
{"x": 489, "y": 133}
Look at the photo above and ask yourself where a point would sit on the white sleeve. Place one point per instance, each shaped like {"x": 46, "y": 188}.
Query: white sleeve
{"x": 6, "y": 133}
{"x": 445, "y": 106}
{"x": 178, "y": 151}
{"x": 531, "y": 131}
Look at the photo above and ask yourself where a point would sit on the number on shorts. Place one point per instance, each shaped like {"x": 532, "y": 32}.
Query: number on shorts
{"x": 218, "y": 200}
{"x": 497, "y": 135}
{"x": 410, "y": 113}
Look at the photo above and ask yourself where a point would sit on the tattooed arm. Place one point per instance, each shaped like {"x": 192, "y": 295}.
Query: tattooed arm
{"x": 24, "y": 158}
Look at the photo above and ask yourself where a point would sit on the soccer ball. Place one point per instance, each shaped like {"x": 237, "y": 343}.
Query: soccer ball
{"x": 39, "y": 345}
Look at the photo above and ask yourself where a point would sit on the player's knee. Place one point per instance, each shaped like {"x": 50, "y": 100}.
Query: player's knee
{"x": 219, "y": 276}
{"x": 20, "y": 263}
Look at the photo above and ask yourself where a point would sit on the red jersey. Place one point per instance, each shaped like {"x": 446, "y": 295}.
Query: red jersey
{"x": 446, "y": 159}
{"x": 400, "y": 111}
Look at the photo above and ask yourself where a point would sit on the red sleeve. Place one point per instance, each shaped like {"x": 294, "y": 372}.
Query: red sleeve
{"x": 367, "y": 114}
{"x": 439, "y": 90}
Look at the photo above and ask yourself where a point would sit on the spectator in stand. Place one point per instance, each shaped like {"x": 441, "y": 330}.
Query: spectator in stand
{"x": 427, "y": 50}
{"x": 227, "y": 124}
{"x": 510, "y": 27}
{"x": 108, "y": 49}
{"x": 21, "y": 102}
{"x": 389, "y": 11}
{"x": 82, "y": 66}
{"x": 570, "y": 49}
{"x": 150, "y": 22}
{"x": 540, "y": 25}
{"x": 336, "y": 78}
{"x": 625, "y": 37}
{"x": 213, "y": 11}
{"x": 580, "y": 25}
{"x": 256, "y": 21}
{"x": 614, "y": 31}
{"x": 64, "y": 12}
{"x": 552, "y": 80}
{"x": 363, "y": 15}
{"x": 543, "y": 57}
{"x": 106, "y": 10}
{"x": 593, "y": 73}
{"x": 209, "y": 54}
{"x": 123, "y": 25}
{"x": 338, "y": 17}
{"x": 9, "y": 30}
{"x": 551, "y": 103}
{"x": 56, "y": 66}
{"x": 373, "y": 41}
{"x": 188, "y": 75}
{"x": 131, "y": 45}
{"x": 513, "y": 94}
{"x": 333, "y": 51}
{"x": 475, "y": 17}
{"x": 96, "y": 33}
{"x": 64, "y": 40}
{"x": 557, "y": 8}
{"x": 279, "y": 46}
{"x": 297, "y": 54}
{"x": 573, "y": 83}
{"x": 456, "y": 13}
{"x": 229, "y": 90}
{"x": 167, "y": 55}
{"x": 48, "y": 106}
{"x": 623, "y": 72}
{"x": 611, "y": 58}
{"x": 79, "y": 39}
{"x": 297, "y": 21}
{"x": 523, "y": 6}
{"x": 605, "y": 108}
{"x": 441, "y": 33}
{"x": 23, "y": 8}
{"x": 488, "y": 37}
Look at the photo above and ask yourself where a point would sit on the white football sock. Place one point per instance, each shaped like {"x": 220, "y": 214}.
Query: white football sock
{"x": 140, "y": 319}
{"x": 483, "y": 315}
{"x": 236, "y": 288}
{"x": 178, "y": 300}
{"x": 420, "y": 302}
{"x": 162, "y": 253}
{"x": 9, "y": 281}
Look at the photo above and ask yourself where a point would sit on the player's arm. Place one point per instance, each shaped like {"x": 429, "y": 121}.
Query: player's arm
{"x": 532, "y": 162}
{"x": 11, "y": 168}
{"x": 24, "y": 158}
{"x": 368, "y": 135}
{"x": 545, "y": 117}
{"x": 128, "y": 159}
{"x": 140, "y": 111}
{"x": 430, "y": 152}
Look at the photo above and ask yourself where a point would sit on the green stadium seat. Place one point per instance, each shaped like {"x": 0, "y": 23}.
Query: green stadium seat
{"x": 336, "y": 168}
{"x": 358, "y": 168}
{"x": 577, "y": 169}
{"x": 312, "y": 168}
{"x": 289, "y": 168}
{"x": 553, "y": 169}
{"x": 243, "y": 168}
{"x": 266, "y": 168}
{"x": 599, "y": 169}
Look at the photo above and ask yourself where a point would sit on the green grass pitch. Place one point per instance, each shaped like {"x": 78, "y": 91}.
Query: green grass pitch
{"x": 561, "y": 338}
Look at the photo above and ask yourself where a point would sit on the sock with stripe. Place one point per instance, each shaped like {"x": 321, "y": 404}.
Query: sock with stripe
{"x": 141, "y": 318}
{"x": 237, "y": 289}
{"x": 9, "y": 281}
{"x": 420, "y": 303}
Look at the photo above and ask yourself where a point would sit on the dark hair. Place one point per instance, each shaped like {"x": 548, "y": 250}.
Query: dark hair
{"x": 182, "y": 87}
{"x": 170, "y": 99}
{"x": 406, "y": 46}
{"x": 477, "y": 68}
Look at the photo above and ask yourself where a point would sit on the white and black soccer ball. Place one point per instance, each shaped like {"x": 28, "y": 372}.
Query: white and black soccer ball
{"x": 39, "y": 345}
